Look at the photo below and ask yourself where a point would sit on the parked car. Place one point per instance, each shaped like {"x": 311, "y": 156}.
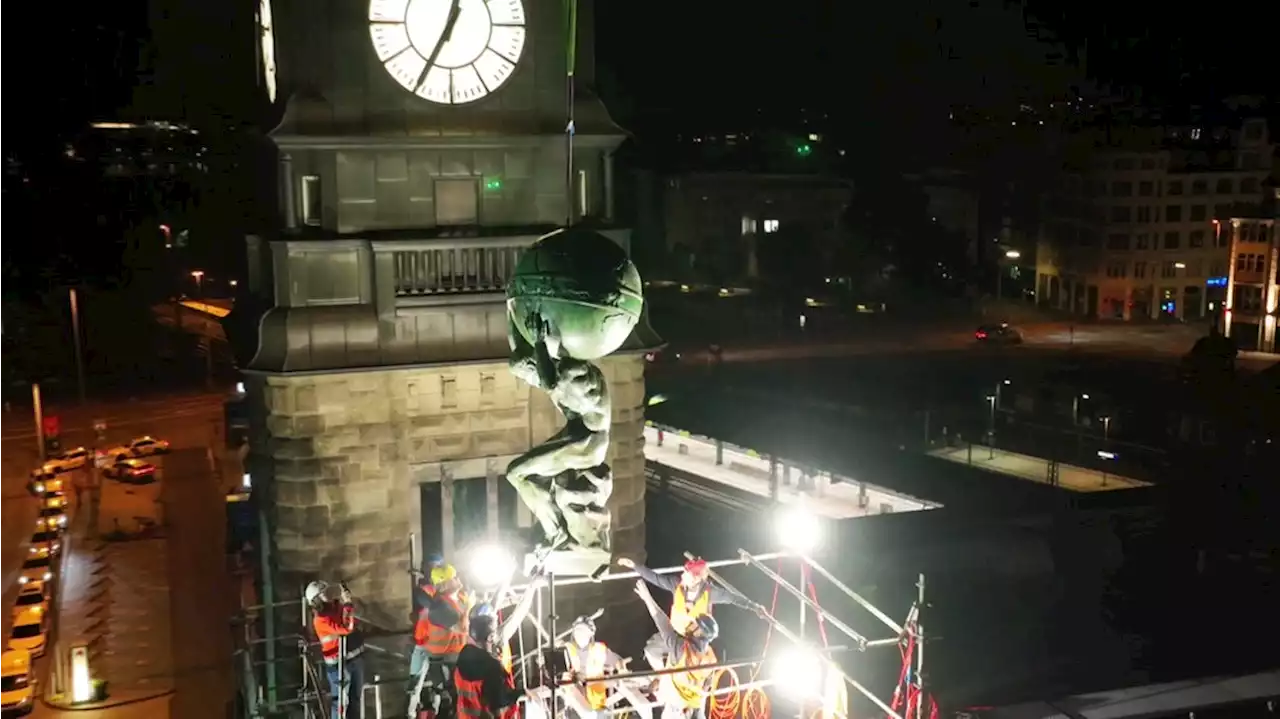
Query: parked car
{"x": 32, "y": 594}
{"x": 144, "y": 446}
{"x": 71, "y": 459}
{"x": 36, "y": 568}
{"x": 30, "y": 631}
{"x": 17, "y": 684}
{"x": 52, "y": 518}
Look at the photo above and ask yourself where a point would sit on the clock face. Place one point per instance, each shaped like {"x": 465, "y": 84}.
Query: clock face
{"x": 449, "y": 52}
{"x": 267, "y": 40}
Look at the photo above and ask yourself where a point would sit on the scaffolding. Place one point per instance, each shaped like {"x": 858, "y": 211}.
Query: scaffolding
{"x": 288, "y": 679}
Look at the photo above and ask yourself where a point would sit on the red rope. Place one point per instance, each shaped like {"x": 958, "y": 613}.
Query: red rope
{"x": 906, "y": 696}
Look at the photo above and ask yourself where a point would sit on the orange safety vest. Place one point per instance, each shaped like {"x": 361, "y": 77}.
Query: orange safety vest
{"x": 687, "y": 688}
{"x": 330, "y": 632}
{"x": 597, "y": 655}
{"x": 471, "y": 699}
{"x": 506, "y": 657}
{"x": 448, "y": 641}
{"x": 422, "y": 627}
{"x": 684, "y": 612}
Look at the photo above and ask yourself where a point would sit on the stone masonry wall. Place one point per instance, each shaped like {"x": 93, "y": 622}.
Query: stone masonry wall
{"x": 335, "y": 455}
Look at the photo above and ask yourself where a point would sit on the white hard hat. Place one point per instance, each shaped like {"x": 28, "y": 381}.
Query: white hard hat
{"x": 315, "y": 590}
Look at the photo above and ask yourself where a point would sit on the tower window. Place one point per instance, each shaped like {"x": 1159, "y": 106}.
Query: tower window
{"x": 311, "y": 200}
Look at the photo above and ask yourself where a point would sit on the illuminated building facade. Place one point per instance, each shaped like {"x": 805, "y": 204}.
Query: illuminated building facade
{"x": 1140, "y": 234}
{"x": 1252, "y": 292}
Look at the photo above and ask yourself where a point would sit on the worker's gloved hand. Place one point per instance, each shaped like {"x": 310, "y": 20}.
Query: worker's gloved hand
{"x": 346, "y": 595}
{"x": 760, "y": 611}
{"x": 642, "y": 590}
{"x": 627, "y": 563}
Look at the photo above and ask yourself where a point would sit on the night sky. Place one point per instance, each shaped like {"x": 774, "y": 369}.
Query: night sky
{"x": 676, "y": 62}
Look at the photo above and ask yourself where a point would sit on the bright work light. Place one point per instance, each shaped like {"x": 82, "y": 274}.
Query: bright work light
{"x": 797, "y": 671}
{"x": 797, "y": 529}
{"x": 491, "y": 565}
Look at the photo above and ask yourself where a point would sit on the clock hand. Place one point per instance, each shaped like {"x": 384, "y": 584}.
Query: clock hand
{"x": 455, "y": 9}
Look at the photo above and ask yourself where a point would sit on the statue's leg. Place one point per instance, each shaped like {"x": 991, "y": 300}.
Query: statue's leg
{"x": 535, "y": 492}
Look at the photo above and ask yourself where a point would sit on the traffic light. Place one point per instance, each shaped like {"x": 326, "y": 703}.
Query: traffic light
{"x": 804, "y": 150}
{"x": 492, "y": 184}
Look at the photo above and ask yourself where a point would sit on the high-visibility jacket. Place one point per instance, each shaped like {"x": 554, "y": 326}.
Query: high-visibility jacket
{"x": 506, "y": 657}
{"x": 687, "y": 689}
{"x": 471, "y": 699}
{"x": 448, "y": 641}
{"x": 684, "y": 611}
{"x": 331, "y": 627}
{"x": 422, "y": 627}
{"x": 591, "y": 665}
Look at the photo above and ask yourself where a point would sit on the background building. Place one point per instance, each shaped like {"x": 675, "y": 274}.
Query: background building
{"x": 1139, "y": 233}
{"x": 718, "y": 225}
{"x": 1252, "y": 294}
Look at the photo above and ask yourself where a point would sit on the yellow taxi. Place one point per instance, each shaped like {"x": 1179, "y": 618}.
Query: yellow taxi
{"x": 52, "y": 518}
{"x": 17, "y": 685}
{"x": 45, "y": 543}
{"x": 32, "y": 594}
{"x": 54, "y": 500}
{"x": 30, "y": 631}
{"x": 42, "y": 481}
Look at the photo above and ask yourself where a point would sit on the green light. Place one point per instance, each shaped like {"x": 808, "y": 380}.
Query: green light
{"x": 804, "y": 150}
{"x": 493, "y": 183}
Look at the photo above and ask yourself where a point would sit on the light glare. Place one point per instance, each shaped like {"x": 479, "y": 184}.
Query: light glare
{"x": 797, "y": 671}
{"x": 797, "y": 529}
{"x": 491, "y": 565}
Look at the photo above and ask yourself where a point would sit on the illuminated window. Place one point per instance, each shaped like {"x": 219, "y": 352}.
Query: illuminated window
{"x": 748, "y": 225}
{"x": 311, "y": 200}
{"x": 770, "y": 226}
{"x": 584, "y": 203}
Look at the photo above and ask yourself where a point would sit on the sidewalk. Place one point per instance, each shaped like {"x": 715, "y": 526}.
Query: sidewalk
{"x": 115, "y": 596}
{"x": 1023, "y": 466}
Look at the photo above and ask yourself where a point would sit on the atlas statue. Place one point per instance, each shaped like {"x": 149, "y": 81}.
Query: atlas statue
{"x": 574, "y": 298}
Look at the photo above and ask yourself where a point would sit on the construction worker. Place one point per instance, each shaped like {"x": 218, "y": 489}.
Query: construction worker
{"x": 683, "y": 694}
{"x": 693, "y": 593}
{"x": 589, "y": 658}
{"x": 424, "y": 599}
{"x": 485, "y": 688}
{"x": 445, "y": 622}
{"x": 334, "y": 619}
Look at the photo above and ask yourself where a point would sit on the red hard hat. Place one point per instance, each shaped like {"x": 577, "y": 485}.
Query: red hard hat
{"x": 696, "y": 566}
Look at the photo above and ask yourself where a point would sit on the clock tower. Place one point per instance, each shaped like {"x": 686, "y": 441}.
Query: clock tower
{"x": 421, "y": 148}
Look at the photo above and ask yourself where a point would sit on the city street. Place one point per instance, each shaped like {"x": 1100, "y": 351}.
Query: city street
{"x": 191, "y": 492}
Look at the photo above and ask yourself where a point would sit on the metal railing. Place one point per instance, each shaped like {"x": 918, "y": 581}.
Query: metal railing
{"x": 457, "y": 266}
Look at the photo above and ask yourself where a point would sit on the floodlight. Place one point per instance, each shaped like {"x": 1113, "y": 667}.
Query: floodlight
{"x": 491, "y": 565}
{"x": 797, "y": 671}
{"x": 797, "y": 529}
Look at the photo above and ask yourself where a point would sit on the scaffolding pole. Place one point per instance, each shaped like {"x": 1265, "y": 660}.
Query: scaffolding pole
{"x": 806, "y": 601}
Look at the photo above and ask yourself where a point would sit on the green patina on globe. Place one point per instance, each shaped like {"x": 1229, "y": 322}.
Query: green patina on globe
{"x": 583, "y": 285}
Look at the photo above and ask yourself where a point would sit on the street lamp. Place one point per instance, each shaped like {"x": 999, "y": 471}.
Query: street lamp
{"x": 198, "y": 276}
{"x": 999, "y": 385}
{"x": 1106, "y": 440}
{"x": 991, "y": 427}
{"x": 1013, "y": 254}
{"x": 1075, "y": 409}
